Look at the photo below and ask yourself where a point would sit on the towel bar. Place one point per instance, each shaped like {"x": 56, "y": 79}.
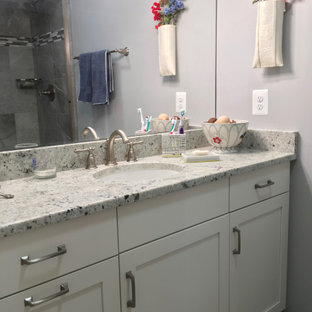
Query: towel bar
{"x": 124, "y": 51}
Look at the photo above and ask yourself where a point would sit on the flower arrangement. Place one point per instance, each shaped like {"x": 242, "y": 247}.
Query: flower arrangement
{"x": 166, "y": 11}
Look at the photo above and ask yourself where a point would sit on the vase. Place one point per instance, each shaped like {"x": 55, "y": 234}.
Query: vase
{"x": 167, "y": 50}
{"x": 269, "y": 34}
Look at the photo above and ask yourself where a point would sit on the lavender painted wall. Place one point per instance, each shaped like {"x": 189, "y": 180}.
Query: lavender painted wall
{"x": 290, "y": 108}
{"x": 110, "y": 24}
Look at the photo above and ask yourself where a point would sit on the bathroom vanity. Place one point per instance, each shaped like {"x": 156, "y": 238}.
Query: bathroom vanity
{"x": 213, "y": 237}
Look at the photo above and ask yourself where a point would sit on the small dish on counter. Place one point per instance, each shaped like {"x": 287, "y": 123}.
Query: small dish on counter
{"x": 45, "y": 174}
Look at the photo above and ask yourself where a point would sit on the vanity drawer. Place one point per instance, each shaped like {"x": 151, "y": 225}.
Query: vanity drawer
{"x": 94, "y": 289}
{"x": 87, "y": 240}
{"x": 151, "y": 219}
{"x": 252, "y": 187}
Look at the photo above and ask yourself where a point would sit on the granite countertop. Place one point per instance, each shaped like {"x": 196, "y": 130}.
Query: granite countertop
{"x": 77, "y": 192}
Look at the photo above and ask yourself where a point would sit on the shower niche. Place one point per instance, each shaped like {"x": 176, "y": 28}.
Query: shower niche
{"x": 35, "y": 100}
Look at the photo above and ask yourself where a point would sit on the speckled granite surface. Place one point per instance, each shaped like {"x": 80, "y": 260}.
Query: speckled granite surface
{"x": 18, "y": 164}
{"x": 78, "y": 192}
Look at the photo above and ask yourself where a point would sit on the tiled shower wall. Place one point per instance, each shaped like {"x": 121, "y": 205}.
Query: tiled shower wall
{"x": 50, "y": 66}
{"x": 24, "y": 115}
{"x": 18, "y": 108}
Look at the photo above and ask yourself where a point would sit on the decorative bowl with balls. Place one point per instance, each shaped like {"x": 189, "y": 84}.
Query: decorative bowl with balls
{"x": 225, "y": 134}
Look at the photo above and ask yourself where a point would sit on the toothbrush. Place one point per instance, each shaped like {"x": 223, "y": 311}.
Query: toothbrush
{"x": 181, "y": 130}
{"x": 173, "y": 122}
{"x": 148, "y": 119}
{"x": 34, "y": 164}
{"x": 142, "y": 119}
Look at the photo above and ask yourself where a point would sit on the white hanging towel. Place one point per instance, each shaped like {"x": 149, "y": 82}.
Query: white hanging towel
{"x": 269, "y": 34}
{"x": 167, "y": 50}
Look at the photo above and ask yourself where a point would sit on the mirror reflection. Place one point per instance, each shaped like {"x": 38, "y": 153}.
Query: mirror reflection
{"x": 33, "y": 98}
{"x": 40, "y": 77}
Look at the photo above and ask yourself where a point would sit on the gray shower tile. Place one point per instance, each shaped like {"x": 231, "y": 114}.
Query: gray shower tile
{"x": 61, "y": 97}
{"x": 59, "y": 60}
{"x": 7, "y": 131}
{"x": 21, "y": 62}
{"x": 27, "y": 127}
{"x": 64, "y": 130}
{"x": 4, "y": 60}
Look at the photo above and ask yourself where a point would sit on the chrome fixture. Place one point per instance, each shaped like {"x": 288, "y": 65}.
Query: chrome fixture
{"x": 61, "y": 250}
{"x": 6, "y": 196}
{"x": 124, "y": 52}
{"x": 29, "y": 302}
{"x": 110, "y": 153}
{"x": 131, "y": 153}
{"x": 90, "y": 163}
{"x": 92, "y": 131}
{"x": 49, "y": 92}
{"x": 28, "y": 83}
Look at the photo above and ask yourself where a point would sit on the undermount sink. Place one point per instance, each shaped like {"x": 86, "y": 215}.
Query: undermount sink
{"x": 139, "y": 171}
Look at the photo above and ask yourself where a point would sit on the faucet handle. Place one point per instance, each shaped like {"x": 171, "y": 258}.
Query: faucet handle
{"x": 131, "y": 153}
{"x": 91, "y": 156}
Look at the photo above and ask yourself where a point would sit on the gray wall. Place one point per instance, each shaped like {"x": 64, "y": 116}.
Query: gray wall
{"x": 110, "y": 24}
{"x": 290, "y": 108}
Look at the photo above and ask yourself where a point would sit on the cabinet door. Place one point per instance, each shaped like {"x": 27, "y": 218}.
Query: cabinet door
{"x": 258, "y": 269}
{"x": 183, "y": 272}
{"x": 95, "y": 288}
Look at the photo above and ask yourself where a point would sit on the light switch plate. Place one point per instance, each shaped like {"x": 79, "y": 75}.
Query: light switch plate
{"x": 260, "y": 102}
{"x": 180, "y": 101}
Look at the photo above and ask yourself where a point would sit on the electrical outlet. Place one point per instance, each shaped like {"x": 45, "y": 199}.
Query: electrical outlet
{"x": 260, "y": 102}
{"x": 180, "y": 101}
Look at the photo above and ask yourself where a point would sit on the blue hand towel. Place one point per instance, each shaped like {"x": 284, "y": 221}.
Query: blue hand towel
{"x": 102, "y": 78}
{"x": 85, "y": 94}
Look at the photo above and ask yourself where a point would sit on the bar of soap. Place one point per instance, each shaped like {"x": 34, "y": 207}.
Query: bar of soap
{"x": 200, "y": 152}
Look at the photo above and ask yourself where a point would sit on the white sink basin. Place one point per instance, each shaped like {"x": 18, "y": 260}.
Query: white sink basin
{"x": 139, "y": 171}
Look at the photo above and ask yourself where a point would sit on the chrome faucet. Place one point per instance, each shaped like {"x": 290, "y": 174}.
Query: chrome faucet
{"x": 90, "y": 162}
{"x": 92, "y": 131}
{"x": 110, "y": 152}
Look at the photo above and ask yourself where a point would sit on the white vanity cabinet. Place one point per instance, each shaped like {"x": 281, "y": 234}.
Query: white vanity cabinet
{"x": 94, "y": 289}
{"x": 258, "y": 258}
{"x": 259, "y": 238}
{"x": 186, "y": 271}
{"x": 217, "y": 247}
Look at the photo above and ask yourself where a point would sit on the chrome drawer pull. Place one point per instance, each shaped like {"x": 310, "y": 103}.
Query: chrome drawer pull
{"x": 237, "y": 250}
{"x": 269, "y": 183}
{"x": 28, "y": 302}
{"x": 60, "y": 251}
{"x": 131, "y": 303}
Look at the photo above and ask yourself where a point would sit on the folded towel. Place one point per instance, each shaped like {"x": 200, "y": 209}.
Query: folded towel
{"x": 85, "y": 94}
{"x": 268, "y": 50}
{"x": 96, "y": 74}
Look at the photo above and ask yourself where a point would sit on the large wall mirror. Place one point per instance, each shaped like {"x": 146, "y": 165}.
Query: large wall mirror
{"x": 39, "y": 77}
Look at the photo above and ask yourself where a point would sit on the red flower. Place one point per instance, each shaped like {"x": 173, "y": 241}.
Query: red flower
{"x": 156, "y": 26}
{"x": 217, "y": 140}
{"x": 155, "y": 10}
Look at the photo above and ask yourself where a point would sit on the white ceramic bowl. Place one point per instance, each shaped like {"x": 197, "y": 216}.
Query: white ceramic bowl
{"x": 225, "y": 137}
{"x": 158, "y": 126}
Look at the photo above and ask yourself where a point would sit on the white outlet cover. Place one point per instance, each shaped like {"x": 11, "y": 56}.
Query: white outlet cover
{"x": 260, "y": 102}
{"x": 180, "y": 101}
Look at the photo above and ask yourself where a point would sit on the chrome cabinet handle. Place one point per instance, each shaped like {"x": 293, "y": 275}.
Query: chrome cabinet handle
{"x": 269, "y": 183}
{"x": 29, "y": 302}
{"x": 237, "y": 250}
{"x": 131, "y": 303}
{"x": 60, "y": 251}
